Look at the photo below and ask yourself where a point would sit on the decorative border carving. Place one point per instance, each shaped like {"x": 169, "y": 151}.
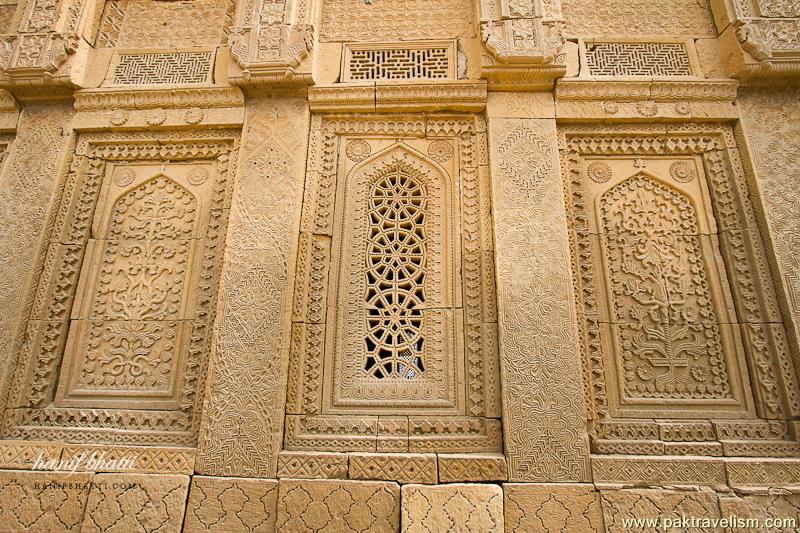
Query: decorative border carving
{"x": 306, "y": 426}
{"x": 35, "y": 378}
{"x": 742, "y": 253}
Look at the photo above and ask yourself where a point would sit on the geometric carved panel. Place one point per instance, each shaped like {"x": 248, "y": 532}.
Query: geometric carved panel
{"x": 121, "y": 322}
{"x": 399, "y": 61}
{"x": 394, "y": 332}
{"x": 156, "y": 24}
{"x": 353, "y": 20}
{"x": 673, "y": 293}
{"x": 638, "y": 17}
{"x": 638, "y": 59}
{"x": 162, "y": 68}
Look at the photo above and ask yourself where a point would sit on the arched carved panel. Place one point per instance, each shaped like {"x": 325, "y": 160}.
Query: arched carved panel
{"x": 432, "y": 316}
{"x": 682, "y": 342}
{"x": 395, "y": 212}
{"x": 119, "y": 334}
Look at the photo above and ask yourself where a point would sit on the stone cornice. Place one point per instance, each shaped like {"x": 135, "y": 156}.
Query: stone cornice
{"x": 205, "y": 97}
{"x": 455, "y": 96}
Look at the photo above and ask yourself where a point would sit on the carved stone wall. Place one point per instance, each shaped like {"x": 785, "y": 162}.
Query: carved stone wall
{"x": 242, "y": 432}
{"x": 395, "y": 265}
{"x": 542, "y": 402}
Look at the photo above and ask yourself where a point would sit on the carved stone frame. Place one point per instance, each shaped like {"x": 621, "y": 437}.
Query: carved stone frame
{"x": 31, "y": 413}
{"x": 475, "y": 426}
{"x": 774, "y": 378}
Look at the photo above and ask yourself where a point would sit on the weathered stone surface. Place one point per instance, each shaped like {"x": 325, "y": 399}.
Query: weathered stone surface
{"x": 658, "y": 470}
{"x": 471, "y": 467}
{"x": 329, "y": 506}
{"x": 312, "y": 465}
{"x": 783, "y": 509}
{"x": 452, "y": 507}
{"x": 20, "y": 454}
{"x": 551, "y": 507}
{"x": 37, "y": 501}
{"x": 231, "y": 505}
{"x": 619, "y": 505}
{"x": 136, "y": 502}
{"x": 403, "y": 468}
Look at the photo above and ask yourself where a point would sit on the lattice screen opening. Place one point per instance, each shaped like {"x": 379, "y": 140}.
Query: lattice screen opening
{"x": 165, "y": 68}
{"x": 399, "y": 61}
{"x": 638, "y": 59}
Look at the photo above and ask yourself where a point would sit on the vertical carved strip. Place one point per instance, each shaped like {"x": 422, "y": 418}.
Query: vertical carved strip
{"x": 27, "y": 188}
{"x": 543, "y": 411}
{"x": 243, "y": 417}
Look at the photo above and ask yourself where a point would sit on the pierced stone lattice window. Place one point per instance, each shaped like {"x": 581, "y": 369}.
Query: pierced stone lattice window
{"x": 394, "y": 324}
{"x": 399, "y": 61}
{"x": 638, "y": 59}
{"x": 395, "y": 273}
{"x": 162, "y": 68}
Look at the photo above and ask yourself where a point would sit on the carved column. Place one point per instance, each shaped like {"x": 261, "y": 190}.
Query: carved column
{"x": 543, "y": 408}
{"x": 246, "y": 395}
{"x": 28, "y": 186}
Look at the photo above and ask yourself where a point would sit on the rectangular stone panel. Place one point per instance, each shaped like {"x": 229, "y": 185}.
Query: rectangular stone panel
{"x": 403, "y": 468}
{"x": 328, "y": 506}
{"x": 658, "y": 470}
{"x": 38, "y": 501}
{"x": 231, "y": 505}
{"x": 552, "y": 507}
{"x": 312, "y": 465}
{"x": 452, "y": 507}
{"x": 136, "y": 502}
{"x": 544, "y": 428}
{"x": 619, "y": 505}
{"x": 472, "y": 467}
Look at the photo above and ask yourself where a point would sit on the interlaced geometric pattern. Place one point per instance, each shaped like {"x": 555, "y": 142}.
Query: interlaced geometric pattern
{"x": 163, "y": 68}
{"x": 638, "y": 59}
{"x": 395, "y": 272}
{"x": 399, "y": 64}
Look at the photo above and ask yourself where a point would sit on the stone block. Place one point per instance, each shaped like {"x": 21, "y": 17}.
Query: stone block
{"x": 403, "y": 468}
{"x": 136, "y": 502}
{"x": 231, "y": 505}
{"x": 472, "y": 467}
{"x": 783, "y": 508}
{"x": 619, "y": 505}
{"x": 47, "y": 502}
{"x": 23, "y": 454}
{"x": 551, "y": 507}
{"x": 332, "y": 506}
{"x": 454, "y": 507}
{"x": 312, "y": 465}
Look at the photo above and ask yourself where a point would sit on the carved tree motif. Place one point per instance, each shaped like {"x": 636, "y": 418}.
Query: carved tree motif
{"x": 667, "y": 327}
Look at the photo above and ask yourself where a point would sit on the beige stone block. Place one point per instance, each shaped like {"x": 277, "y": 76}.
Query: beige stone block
{"x": 231, "y": 505}
{"x": 472, "y": 467}
{"x": 131, "y": 459}
{"x": 312, "y": 465}
{"x": 783, "y": 509}
{"x": 328, "y": 506}
{"x": 456, "y": 507}
{"x": 21, "y": 454}
{"x": 520, "y": 105}
{"x": 47, "y": 502}
{"x": 647, "y": 470}
{"x": 619, "y": 505}
{"x": 551, "y": 507}
{"x": 763, "y": 472}
{"x": 403, "y": 468}
{"x": 136, "y": 502}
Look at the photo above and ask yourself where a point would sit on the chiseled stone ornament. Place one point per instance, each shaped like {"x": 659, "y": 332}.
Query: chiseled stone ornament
{"x": 393, "y": 265}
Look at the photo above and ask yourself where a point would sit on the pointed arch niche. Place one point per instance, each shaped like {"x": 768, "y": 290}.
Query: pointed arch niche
{"x": 394, "y": 331}
{"x": 119, "y": 333}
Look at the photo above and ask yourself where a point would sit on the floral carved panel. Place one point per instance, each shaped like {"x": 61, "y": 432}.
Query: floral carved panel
{"x": 678, "y": 309}
{"x": 120, "y": 329}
